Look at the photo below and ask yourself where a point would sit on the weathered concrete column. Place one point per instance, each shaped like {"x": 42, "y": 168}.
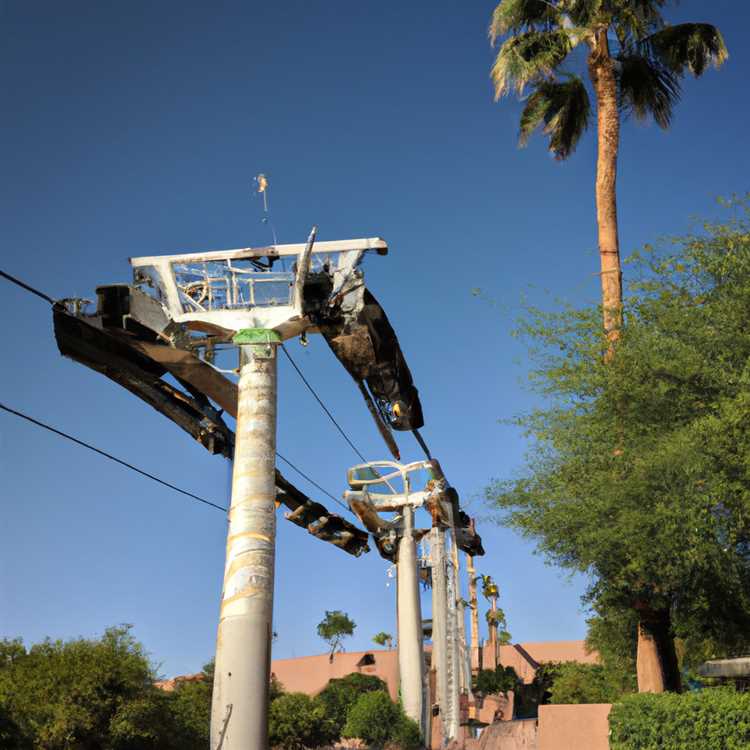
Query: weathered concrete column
{"x": 476, "y": 653}
{"x": 440, "y": 626}
{"x": 239, "y": 712}
{"x": 409, "y": 616}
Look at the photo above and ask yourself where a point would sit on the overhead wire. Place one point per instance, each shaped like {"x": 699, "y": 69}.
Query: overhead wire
{"x": 27, "y": 287}
{"x": 120, "y": 461}
{"x": 47, "y": 298}
{"x": 322, "y": 405}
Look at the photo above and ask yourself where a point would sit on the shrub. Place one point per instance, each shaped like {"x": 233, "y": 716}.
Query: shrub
{"x": 585, "y": 683}
{"x": 339, "y": 695}
{"x": 499, "y": 680}
{"x": 712, "y": 719}
{"x": 374, "y": 718}
{"x": 406, "y": 734}
{"x": 537, "y": 693}
{"x": 296, "y": 721}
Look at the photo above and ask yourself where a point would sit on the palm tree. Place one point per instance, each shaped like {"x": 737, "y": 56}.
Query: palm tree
{"x": 635, "y": 62}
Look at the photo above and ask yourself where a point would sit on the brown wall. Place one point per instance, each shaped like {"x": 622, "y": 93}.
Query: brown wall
{"x": 574, "y": 727}
{"x": 310, "y": 674}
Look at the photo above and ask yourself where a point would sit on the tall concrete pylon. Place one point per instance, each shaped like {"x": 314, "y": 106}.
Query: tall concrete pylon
{"x": 409, "y": 620}
{"x": 239, "y": 711}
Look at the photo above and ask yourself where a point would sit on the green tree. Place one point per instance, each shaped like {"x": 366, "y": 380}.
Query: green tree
{"x": 635, "y": 62}
{"x": 588, "y": 683}
{"x": 662, "y": 525}
{"x": 340, "y": 694}
{"x": 377, "y": 720}
{"x": 333, "y": 628}
{"x": 494, "y": 681}
{"x": 383, "y": 639}
{"x": 190, "y": 705}
{"x": 86, "y": 694}
{"x": 297, "y": 721}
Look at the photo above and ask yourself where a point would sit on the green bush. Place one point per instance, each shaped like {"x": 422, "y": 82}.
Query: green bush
{"x": 529, "y": 697}
{"x": 585, "y": 683}
{"x": 296, "y": 721}
{"x": 406, "y": 734}
{"x": 713, "y": 719}
{"x": 499, "y": 680}
{"x": 373, "y": 718}
{"x": 339, "y": 695}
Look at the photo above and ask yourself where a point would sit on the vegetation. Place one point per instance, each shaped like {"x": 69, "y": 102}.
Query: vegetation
{"x": 635, "y": 62}
{"x": 92, "y": 694}
{"x": 538, "y": 693}
{"x": 333, "y": 628}
{"x": 377, "y": 720}
{"x": 296, "y": 721}
{"x": 495, "y": 681}
{"x": 588, "y": 683}
{"x": 339, "y": 695}
{"x": 715, "y": 719}
{"x": 383, "y": 639}
{"x": 661, "y": 524}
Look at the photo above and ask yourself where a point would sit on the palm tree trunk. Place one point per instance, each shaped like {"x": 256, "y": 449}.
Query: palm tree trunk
{"x": 601, "y": 70}
{"x": 656, "y": 663}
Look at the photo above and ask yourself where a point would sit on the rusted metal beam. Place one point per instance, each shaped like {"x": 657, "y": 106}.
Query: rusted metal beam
{"x": 114, "y": 343}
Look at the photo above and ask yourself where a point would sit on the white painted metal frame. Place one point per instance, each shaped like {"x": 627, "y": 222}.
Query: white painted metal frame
{"x": 393, "y": 500}
{"x": 286, "y": 319}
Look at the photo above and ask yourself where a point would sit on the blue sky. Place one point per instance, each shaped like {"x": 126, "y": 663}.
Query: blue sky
{"x": 136, "y": 129}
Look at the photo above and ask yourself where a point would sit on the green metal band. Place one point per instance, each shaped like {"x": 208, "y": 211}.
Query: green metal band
{"x": 256, "y": 336}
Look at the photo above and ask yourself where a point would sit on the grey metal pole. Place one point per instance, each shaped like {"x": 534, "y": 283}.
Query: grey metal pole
{"x": 409, "y": 617}
{"x": 239, "y": 711}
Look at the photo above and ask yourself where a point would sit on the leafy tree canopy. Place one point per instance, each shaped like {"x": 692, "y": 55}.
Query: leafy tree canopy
{"x": 93, "y": 694}
{"x": 494, "y": 681}
{"x": 383, "y": 639}
{"x": 639, "y": 474}
{"x": 648, "y": 57}
{"x": 334, "y": 627}
{"x": 340, "y": 694}
{"x": 297, "y": 721}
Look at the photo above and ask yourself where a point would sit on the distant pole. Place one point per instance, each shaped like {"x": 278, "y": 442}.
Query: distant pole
{"x": 476, "y": 657}
{"x": 239, "y": 711}
{"x": 463, "y": 651}
{"x": 409, "y": 616}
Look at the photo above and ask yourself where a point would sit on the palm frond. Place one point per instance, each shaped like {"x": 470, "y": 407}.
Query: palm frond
{"x": 563, "y": 108}
{"x": 530, "y": 57}
{"x": 646, "y": 87}
{"x": 635, "y": 19}
{"x": 694, "y": 46}
{"x": 513, "y": 16}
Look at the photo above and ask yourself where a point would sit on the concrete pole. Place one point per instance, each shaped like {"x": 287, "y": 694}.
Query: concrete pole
{"x": 409, "y": 616}
{"x": 455, "y": 660}
{"x": 493, "y": 634}
{"x": 465, "y": 683}
{"x": 239, "y": 712}
{"x": 476, "y": 659}
{"x": 440, "y": 627}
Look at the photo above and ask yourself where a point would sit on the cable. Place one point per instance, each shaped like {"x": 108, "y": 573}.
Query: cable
{"x": 28, "y": 288}
{"x": 312, "y": 481}
{"x": 323, "y": 406}
{"x": 111, "y": 457}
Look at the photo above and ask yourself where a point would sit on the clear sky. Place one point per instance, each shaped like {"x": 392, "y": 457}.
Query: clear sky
{"x": 136, "y": 128}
